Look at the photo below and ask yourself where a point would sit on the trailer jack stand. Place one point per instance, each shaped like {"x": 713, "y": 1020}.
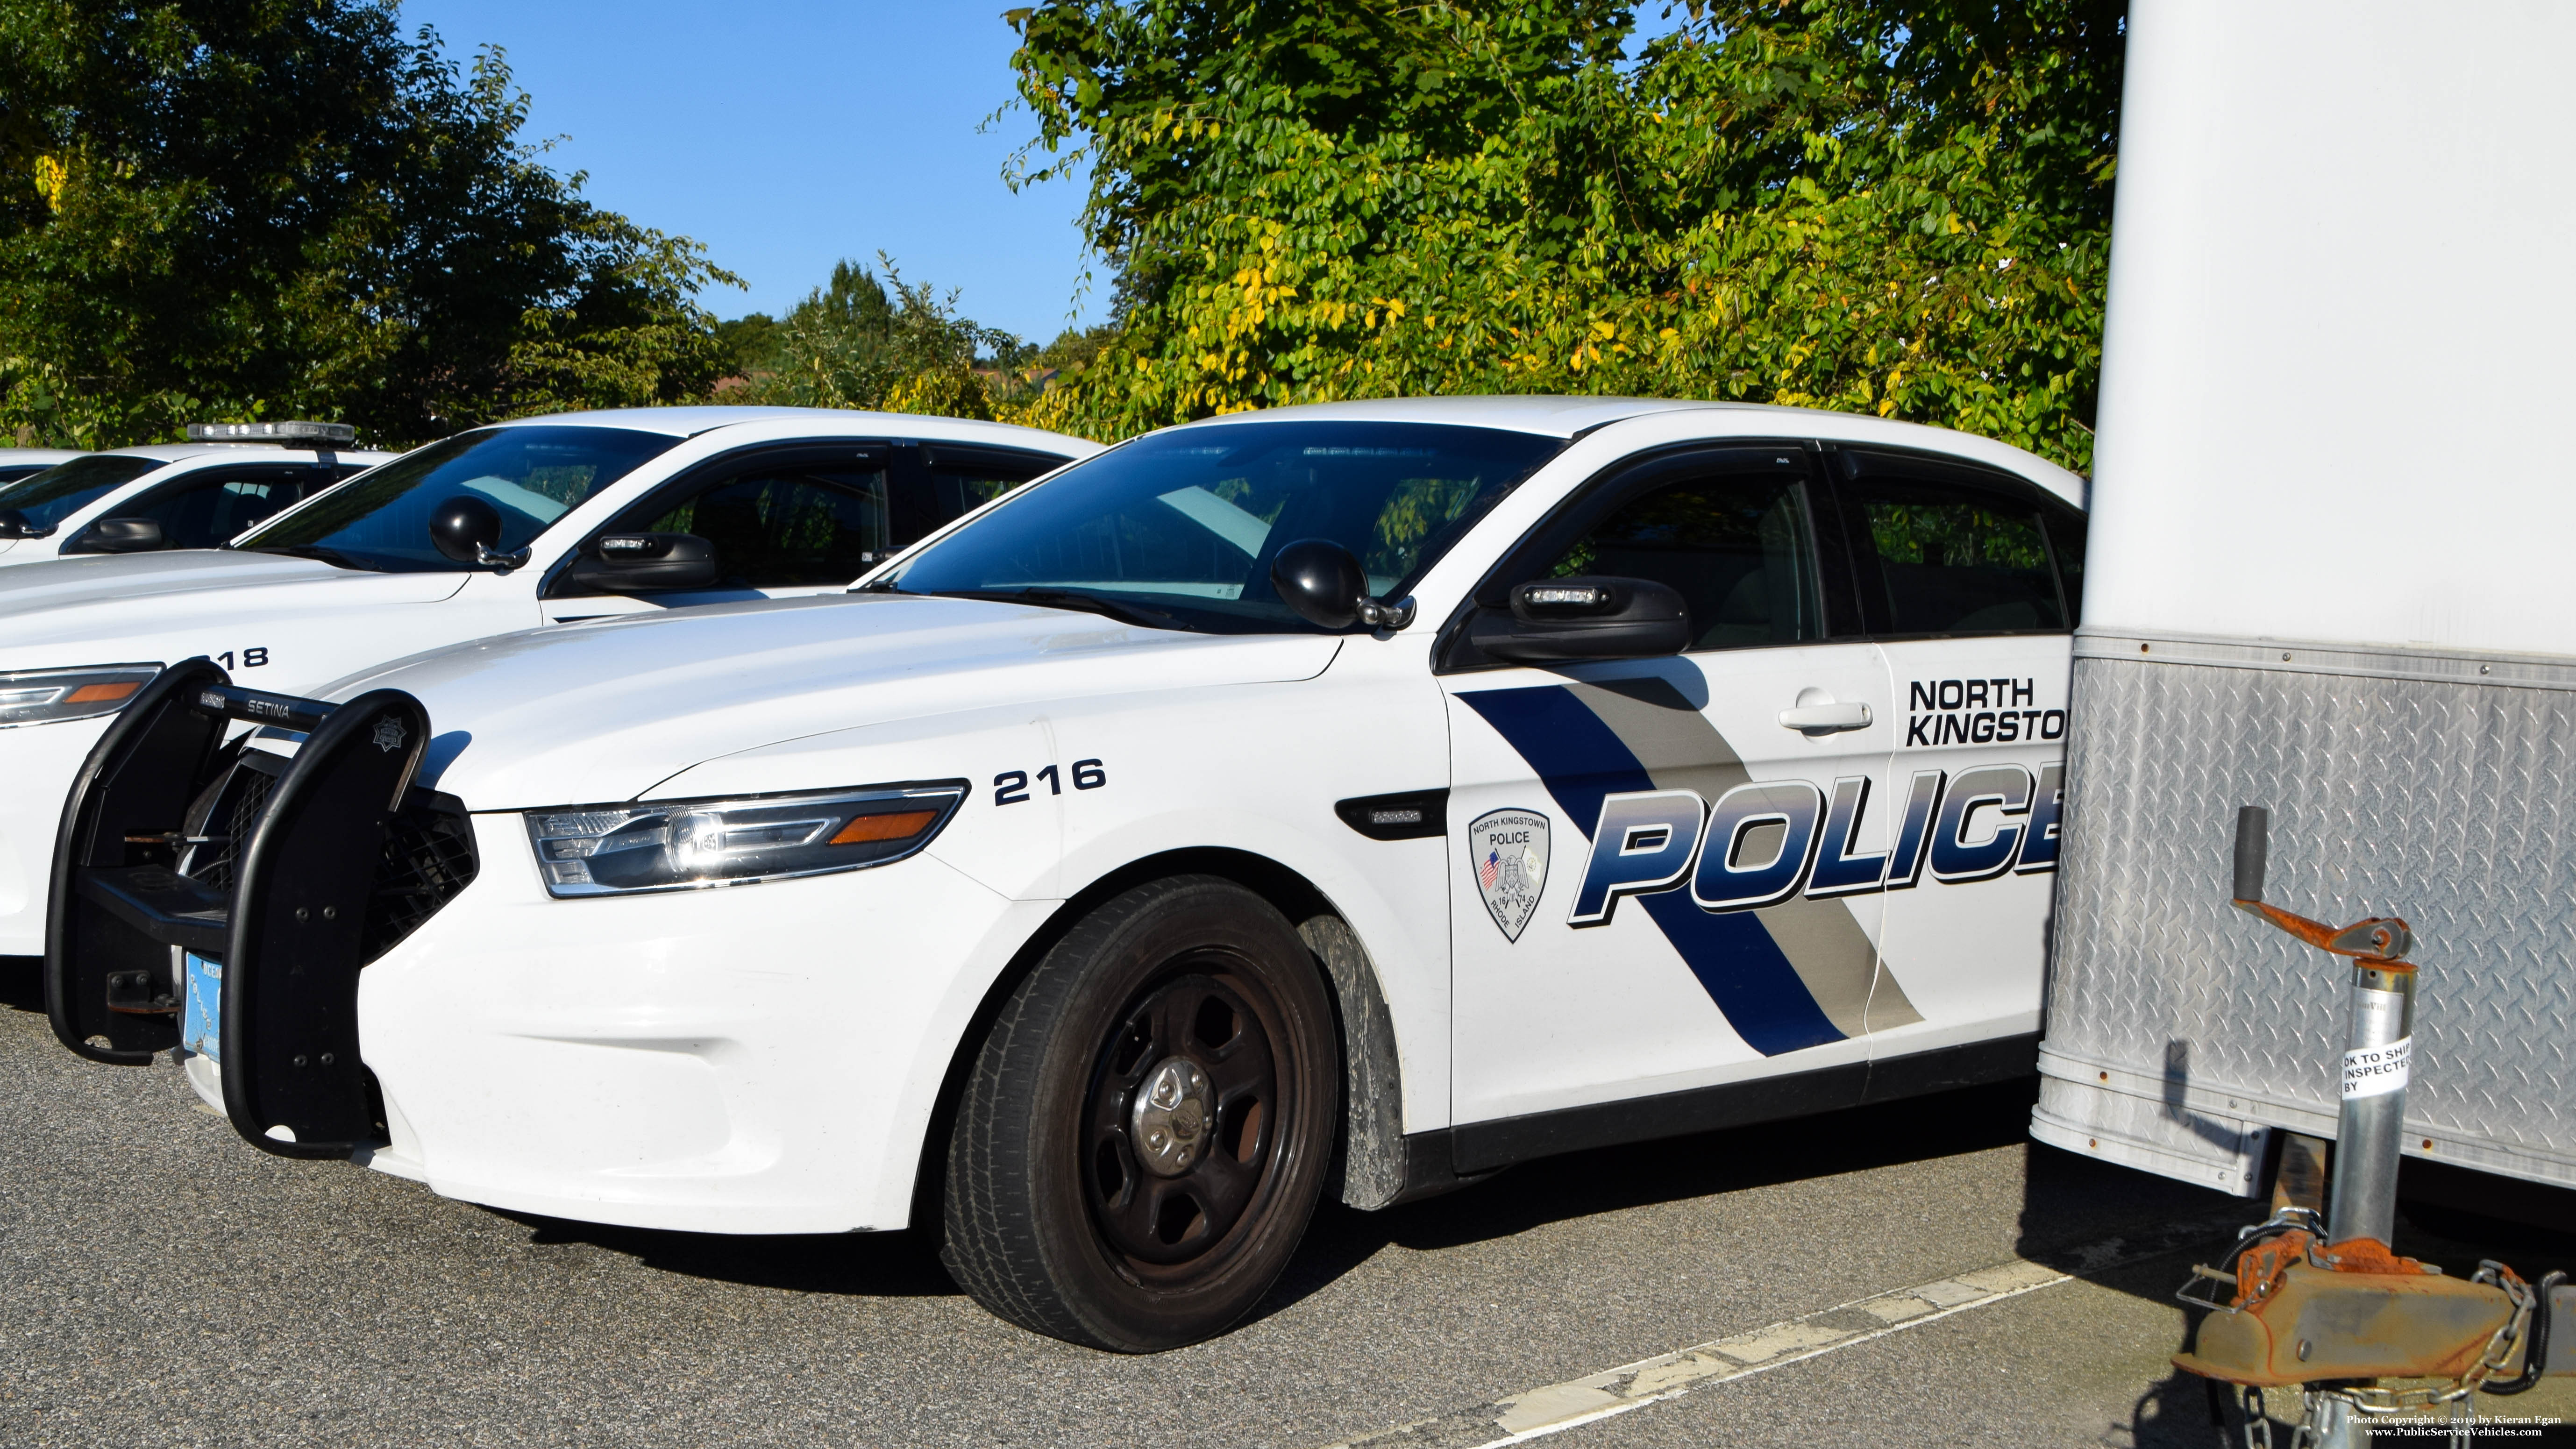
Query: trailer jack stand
{"x": 2323, "y": 1303}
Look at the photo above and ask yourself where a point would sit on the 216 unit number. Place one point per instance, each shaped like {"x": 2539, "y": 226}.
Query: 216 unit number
{"x": 1011, "y": 787}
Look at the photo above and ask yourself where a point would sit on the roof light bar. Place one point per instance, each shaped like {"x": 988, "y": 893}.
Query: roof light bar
{"x": 295, "y": 432}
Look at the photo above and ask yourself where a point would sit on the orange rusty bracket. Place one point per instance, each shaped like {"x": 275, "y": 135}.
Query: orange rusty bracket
{"x": 2380, "y": 941}
{"x": 2331, "y": 1315}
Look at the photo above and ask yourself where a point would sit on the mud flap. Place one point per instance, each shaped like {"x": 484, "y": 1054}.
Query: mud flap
{"x": 106, "y": 978}
{"x": 299, "y": 911}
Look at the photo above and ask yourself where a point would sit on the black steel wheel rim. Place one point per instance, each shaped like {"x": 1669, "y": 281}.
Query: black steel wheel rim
{"x": 1182, "y": 1122}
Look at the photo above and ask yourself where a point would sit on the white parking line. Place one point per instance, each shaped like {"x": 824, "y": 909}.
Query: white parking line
{"x": 1576, "y": 1402}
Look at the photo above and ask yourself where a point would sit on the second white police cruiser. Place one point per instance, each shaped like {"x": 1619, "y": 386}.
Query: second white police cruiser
{"x": 1359, "y": 798}
{"x": 545, "y": 520}
{"x": 196, "y": 494}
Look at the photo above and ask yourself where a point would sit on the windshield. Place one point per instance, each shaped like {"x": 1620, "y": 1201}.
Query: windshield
{"x": 49, "y": 497}
{"x": 532, "y": 475}
{"x": 1179, "y": 528}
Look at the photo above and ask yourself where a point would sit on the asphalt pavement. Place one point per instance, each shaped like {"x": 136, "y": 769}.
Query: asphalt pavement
{"x": 161, "y": 1283}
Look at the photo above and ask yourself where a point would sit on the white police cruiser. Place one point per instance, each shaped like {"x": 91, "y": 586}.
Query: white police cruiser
{"x": 197, "y": 494}
{"x": 1359, "y": 798}
{"x": 533, "y": 522}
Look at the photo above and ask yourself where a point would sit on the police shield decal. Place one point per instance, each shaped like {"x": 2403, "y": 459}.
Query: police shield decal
{"x": 1508, "y": 851}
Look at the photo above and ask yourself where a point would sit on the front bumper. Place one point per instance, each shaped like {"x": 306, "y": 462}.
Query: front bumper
{"x": 398, "y": 988}
{"x": 748, "y": 1059}
{"x": 293, "y": 875}
{"x": 37, "y": 763}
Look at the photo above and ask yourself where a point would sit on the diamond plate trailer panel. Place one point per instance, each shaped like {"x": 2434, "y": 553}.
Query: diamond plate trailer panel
{"x": 2437, "y": 787}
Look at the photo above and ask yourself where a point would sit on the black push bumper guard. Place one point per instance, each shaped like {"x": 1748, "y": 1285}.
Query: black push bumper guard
{"x": 293, "y": 875}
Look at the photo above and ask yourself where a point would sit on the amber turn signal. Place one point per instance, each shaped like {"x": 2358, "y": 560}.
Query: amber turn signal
{"x": 893, "y": 825}
{"x": 102, "y": 693}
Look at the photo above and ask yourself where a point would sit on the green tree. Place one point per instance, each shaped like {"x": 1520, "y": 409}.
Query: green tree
{"x": 862, "y": 341}
{"x": 750, "y": 343}
{"x": 1896, "y": 206}
{"x": 261, "y": 208}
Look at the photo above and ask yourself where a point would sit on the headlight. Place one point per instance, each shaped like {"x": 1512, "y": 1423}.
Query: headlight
{"x": 44, "y": 696}
{"x": 599, "y": 850}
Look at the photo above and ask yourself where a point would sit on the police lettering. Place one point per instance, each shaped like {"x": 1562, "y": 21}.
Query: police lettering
{"x": 1982, "y": 824}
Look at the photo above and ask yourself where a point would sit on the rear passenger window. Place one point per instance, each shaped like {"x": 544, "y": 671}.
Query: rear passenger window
{"x": 1940, "y": 558}
{"x": 2066, "y": 540}
{"x": 958, "y": 490}
{"x": 955, "y": 481}
{"x": 1735, "y": 546}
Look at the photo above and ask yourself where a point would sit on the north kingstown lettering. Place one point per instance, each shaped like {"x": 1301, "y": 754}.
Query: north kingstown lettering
{"x": 1978, "y": 712}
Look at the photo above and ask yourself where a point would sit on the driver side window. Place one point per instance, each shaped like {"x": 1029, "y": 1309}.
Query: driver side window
{"x": 210, "y": 508}
{"x": 786, "y": 527}
{"x": 1735, "y": 545}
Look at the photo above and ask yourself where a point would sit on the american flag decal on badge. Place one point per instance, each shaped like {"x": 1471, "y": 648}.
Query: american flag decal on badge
{"x": 1508, "y": 849}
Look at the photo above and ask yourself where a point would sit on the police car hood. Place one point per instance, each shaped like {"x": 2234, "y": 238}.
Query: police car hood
{"x": 608, "y": 709}
{"x": 129, "y": 600}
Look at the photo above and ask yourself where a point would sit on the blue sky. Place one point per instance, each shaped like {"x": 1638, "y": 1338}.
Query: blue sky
{"x": 786, "y": 134}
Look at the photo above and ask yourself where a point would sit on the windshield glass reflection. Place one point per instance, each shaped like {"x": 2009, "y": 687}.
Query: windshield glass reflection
{"x": 47, "y": 498}
{"x": 1178, "y": 529}
{"x": 531, "y": 475}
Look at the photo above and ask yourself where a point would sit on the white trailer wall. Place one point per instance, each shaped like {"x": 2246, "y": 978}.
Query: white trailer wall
{"x": 2342, "y": 332}
{"x": 2331, "y": 520}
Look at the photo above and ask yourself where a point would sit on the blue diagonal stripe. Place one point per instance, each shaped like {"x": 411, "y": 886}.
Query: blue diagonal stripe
{"x": 1580, "y": 760}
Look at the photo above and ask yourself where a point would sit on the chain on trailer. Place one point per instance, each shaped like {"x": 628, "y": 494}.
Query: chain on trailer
{"x": 2322, "y": 1302}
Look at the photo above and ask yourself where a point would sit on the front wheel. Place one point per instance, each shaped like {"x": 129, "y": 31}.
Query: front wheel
{"x": 1148, "y": 1124}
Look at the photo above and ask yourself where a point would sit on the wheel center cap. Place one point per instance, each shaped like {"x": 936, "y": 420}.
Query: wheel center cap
{"x": 1170, "y": 1121}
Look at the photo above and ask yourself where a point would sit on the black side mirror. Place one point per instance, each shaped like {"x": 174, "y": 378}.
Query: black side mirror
{"x": 637, "y": 563}
{"x": 14, "y": 524}
{"x": 1322, "y": 583}
{"x": 1561, "y": 620}
{"x": 465, "y": 528}
{"x": 120, "y": 535}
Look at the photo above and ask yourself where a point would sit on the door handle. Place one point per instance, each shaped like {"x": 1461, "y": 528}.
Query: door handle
{"x": 1825, "y": 719}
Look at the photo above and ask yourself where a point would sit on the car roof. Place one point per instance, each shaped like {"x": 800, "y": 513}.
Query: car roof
{"x": 1553, "y": 416}
{"x": 688, "y": 422}
{"x": 21, "y": 457}
{"x": 1571, "y": 417}
{"x": 180, "y": 452}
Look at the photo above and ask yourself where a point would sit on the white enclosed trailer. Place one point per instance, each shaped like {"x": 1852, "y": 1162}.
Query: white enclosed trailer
{"x": 2330, "y": 574}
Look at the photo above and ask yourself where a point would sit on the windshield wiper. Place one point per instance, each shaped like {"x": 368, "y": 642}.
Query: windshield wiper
{"x": 330, "y": 556}
{"x": 1124, "y": 613}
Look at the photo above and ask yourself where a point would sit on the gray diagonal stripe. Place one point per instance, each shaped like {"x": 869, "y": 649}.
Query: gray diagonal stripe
{"x": 1825, "y": 945}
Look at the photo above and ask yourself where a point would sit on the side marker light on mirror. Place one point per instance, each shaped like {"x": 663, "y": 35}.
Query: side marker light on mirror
{"x": 1566, "y": 596}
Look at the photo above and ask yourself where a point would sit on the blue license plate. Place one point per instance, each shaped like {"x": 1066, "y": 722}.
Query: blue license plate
{"x": 201, "y": 1012}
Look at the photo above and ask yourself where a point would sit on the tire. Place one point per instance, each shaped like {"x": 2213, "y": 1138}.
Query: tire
{"x": 1148, "y": 1125}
